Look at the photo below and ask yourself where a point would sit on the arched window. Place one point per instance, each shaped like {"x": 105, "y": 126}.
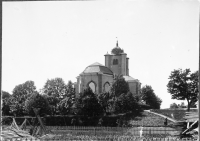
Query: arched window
{"x": 106, "y": 87}
{"x": 92, "y": 86}
{"x": 115, "y": 61}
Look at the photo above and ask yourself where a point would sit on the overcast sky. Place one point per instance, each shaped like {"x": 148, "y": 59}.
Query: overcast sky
{"x": 45, "y": 40}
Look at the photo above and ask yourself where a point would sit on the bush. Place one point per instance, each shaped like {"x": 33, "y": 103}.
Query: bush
{"x": 37, "y": 101}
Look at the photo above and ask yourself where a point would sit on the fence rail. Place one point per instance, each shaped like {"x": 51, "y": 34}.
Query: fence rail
{"x": 108, "y": 133}
{"x": 109, "y": 138}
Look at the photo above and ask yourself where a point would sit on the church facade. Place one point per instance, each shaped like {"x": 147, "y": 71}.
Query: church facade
{"x": 100, "y": 78}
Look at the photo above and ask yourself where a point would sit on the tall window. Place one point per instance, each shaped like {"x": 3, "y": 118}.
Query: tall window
{"x": 115, "y": 61}
{"x": 92, "y": 86}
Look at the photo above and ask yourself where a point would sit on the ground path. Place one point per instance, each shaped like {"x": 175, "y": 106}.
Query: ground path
{"x": 173, "y": 120}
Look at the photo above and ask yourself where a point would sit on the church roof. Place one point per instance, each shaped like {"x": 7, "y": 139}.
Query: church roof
{"x": 117, "y": 50}
{"x": 130, "y": 79}
{"x": 97, "y": 68}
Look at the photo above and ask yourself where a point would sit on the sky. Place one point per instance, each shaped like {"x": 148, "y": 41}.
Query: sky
{"x": 50, "y": 39}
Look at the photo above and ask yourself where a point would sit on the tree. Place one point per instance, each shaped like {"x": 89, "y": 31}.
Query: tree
{"x": 65, "y": 105}
{"x": 120, "y": 86}
{"x": 119, "y": 99}
{"x": 37, "y": 101}
{"x": 53, "y": 103}
{"x": 6, "y": 103}
{"x": 148, "y": 95}
{"x": 173, "y": 106}
{"x": 70, "y": 89}
{"x": 5, "y": 95}
{"x": 56, "y": 88}
{"x": 126, "y": 103}
{"x": 103, "y": 99}
{"x": 183, "y": 85}
{"x": 20, "y": 93}
{"x": 6, "y": 106}
{"x": 88, "y": 104}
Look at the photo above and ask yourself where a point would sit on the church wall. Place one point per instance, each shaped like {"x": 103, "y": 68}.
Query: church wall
{"x": 133, "y": 87}
{"x": 107, "y": 60}
{"x": 88, "y": 78}
{"x": 99, "y": 83}
{"x": 77, "y": 90}
{"x": 116, "y": 68}
{"x": 127, "y": 66}
{"x": 123, "y": 64}
{"x": 106, "y": 78}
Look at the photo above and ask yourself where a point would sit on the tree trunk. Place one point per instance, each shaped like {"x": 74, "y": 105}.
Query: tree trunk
{"x": 188, "y": 107}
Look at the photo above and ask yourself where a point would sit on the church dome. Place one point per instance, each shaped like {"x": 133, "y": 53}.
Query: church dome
{"x": 117, "y": 50}
{"x": 97, "y": 68}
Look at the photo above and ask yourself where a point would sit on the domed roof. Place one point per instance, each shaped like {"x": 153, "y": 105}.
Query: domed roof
{"x": 97, "y": 68}
{"x": 117, "y": 50}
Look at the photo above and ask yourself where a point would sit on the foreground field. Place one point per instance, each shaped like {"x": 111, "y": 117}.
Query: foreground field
{"x": 149, "y": 120}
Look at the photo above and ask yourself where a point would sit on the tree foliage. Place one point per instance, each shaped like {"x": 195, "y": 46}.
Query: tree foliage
{"x": 103, "y": 99}
{"x": 173, "y": 106}
{"x": 6, "y": 106}
{"x": 5, "y": 95}
{"x": 56, "y": 88}
{"x": 150, "y": 98}
{"x": 53, "y": 104}
{"x": 20, "y": 93}
{"x": 88, "y": 104}
{"x": 119, "y": 99}
{"x": 183, "y": 85}
{"x": 126, "y": 103}
{"x": 70, "y": 92}
{"x": 120, "y": 86}
{"x": 65, "y": 105}
{"x": 37, "y": 101}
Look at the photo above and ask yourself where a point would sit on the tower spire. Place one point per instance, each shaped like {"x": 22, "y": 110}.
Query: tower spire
{"x": 117, "y": 43}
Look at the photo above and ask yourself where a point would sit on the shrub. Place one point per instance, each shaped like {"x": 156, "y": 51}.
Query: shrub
{"x": 37, "y": 101}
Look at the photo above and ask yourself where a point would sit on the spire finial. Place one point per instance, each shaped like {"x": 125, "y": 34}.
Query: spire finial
{"x": 117, "y": 42}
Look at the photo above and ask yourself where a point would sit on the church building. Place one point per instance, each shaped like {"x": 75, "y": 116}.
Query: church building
{"x": 99, "y": 77}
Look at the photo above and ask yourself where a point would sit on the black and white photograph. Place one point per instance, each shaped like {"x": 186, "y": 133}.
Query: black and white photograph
{"x": 100, "y": 70}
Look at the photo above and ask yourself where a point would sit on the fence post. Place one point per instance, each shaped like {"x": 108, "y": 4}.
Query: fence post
{"x": 94, "y": 131}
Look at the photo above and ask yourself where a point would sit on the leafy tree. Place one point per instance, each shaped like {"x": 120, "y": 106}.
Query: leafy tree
{"x": 173, "y": 106}
{"x": 65, "y": 105}
{"x": 6, "y": 103}
{"x": 183, "y": 85}
{"x": 53, "y": 103}
{"x": 120, "y": 86}
{"x": 24, "y": 90}
{"x": 119, "y": 99}
{"x": 88, "y": 104}
{"x": 56, "y": 88}
{"x": 103, "y": 99}
{"x": 6, "y": 106}
{"x": 20, "y": 93}
{"x": 5, "y": 95}
{"x": 127, "y": 103}
{"x": 70, "y": 89}
{"x": 150, "y": 98}
{"x": 37, "y": 101}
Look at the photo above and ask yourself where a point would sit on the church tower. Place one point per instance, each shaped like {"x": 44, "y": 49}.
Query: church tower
{"x": 117, "y": 61}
